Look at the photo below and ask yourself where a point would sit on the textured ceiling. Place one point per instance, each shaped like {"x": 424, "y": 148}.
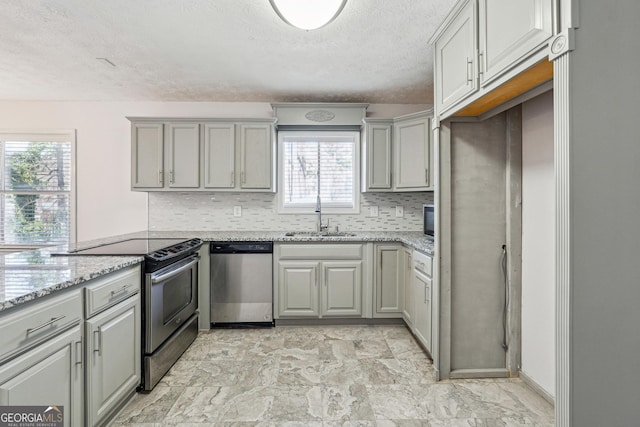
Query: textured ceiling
{"x": 215, "y": 50}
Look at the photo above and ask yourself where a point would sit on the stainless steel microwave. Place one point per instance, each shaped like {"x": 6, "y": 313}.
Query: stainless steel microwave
{"x": 428, "y": 219}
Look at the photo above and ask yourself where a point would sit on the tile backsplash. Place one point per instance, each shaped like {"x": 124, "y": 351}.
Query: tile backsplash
{"x": 214, "y": 212}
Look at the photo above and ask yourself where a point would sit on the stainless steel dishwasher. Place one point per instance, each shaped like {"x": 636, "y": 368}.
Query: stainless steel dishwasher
{"x": 241, "y": 283}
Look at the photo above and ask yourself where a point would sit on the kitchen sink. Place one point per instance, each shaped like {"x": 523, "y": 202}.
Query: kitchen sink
{"x": 319, "y": 234}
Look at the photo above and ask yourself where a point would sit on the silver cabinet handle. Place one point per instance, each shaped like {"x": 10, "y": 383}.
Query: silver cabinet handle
{"x": 233, "y": 179}
{"x": 409, "y": 262}
{"x": 426, "y": 176}
{"x": 243, "y": 178}
{"x": 79, "y": 352}
{"x": 97, "y": 339}
{"x": 480, "y": 67}
{"x": 160, "y": 177}
{"x": 171, "y": 177}
{"x": 44, "y": 325}
{"x": 119, "y": 291}
{"x": 469, "y": 70}
{"x": 426, "y": 291}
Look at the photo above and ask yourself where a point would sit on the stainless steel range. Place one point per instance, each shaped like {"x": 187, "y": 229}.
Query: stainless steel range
{"x": 169, "y": 298}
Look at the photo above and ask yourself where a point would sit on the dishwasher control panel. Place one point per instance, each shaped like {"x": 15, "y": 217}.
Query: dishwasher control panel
{"x": 241, "y": 247}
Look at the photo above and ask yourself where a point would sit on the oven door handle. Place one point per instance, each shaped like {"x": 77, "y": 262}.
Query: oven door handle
{"x": 168, "y": 275}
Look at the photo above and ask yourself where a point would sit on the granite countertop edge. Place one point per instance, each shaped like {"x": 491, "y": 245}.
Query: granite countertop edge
{"x": 82, "y": 269}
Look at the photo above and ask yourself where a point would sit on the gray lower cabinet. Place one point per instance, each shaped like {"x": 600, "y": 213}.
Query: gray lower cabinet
{"x": 422, "y": 289}
{"x": 389, "y": 285}
{"x": 49, "y": 375}
{"x": 319, "y": 289}
{"x": 113, "y": 342}
{"x": 342, "y": 288}
{"x": 298, "y": 289}
{"x": 422, "y": 320}
{"x": 113, "y": 358}
{"x": 408, "y": 307}
{"x": 318, "y": 280}
{"x": 42, "y": 356}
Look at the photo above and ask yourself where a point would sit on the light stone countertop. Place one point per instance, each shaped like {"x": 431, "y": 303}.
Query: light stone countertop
{"x": 30, "y": 275}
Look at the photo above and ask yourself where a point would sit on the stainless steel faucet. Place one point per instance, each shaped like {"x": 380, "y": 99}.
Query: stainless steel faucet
{"x": 320, "y": 227}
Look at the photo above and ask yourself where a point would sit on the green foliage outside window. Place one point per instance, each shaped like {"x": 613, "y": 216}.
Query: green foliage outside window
{"x": 38, "y": 167}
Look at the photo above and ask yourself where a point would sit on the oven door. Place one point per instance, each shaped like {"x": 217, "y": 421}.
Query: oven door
{"x": 171, "y": 297}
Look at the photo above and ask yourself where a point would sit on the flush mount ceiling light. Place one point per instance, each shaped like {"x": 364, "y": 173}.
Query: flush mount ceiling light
{"x": 308, "y": 14}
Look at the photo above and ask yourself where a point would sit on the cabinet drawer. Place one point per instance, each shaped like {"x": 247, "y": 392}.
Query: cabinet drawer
{"x": 109, "y": 290}
{"x": 422, "y": 262}
{"x": 38, "y": 322}
{"x": 321, "y": 251}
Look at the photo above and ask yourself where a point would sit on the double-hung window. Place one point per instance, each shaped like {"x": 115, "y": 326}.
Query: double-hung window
{"x": 316, "y": 163}
{"x": 37, "y": 194}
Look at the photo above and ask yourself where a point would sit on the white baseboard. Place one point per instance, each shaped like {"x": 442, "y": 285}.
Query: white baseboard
{"x": 537, "y": 388}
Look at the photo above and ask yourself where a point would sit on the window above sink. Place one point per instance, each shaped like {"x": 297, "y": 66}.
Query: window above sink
{"x": 318, "y": 163}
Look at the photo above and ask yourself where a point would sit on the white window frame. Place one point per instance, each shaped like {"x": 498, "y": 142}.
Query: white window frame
{"x": 310, "y": 208}
{"x": 48, "y": 135}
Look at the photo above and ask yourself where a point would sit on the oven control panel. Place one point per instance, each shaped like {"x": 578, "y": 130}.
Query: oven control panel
{"x": 177, "y": 250}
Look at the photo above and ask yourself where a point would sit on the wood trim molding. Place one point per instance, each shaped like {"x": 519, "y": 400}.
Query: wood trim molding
{"x": 523, "y": 82}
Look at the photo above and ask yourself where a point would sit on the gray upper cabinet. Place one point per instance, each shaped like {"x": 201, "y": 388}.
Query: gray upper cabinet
{"x": 455, "y": 62}
{"x": 184, "y": 155}
{"x": 376, "y": 165}
{"x": 256, "y": 157}
{"x": 202, "y": 155}
{"x": 411, "y": 151}
{"x": 219, "y": 155}
{"x": 147, "y": 156}
{"x": 397, "y": 154}
{"x": 483, "y": 44}
{"x": 510, "y": 30}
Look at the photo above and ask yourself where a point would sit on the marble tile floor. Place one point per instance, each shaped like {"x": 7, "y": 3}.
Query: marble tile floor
{"x": 321, "y": 376}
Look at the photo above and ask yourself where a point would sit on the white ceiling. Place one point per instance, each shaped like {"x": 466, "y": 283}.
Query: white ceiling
{"x": 215, "y": 50}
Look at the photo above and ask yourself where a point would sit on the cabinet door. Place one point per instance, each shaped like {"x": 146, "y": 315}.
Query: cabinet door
{"x": 184, "y": 155}
{"x": 147, "y": 157}
{"x": 455, "y": 61}
{"x": 389, "y": 283}
{"x": 342, "y": 288}
{"x": 256, "y": 157}
{"x": 377, "y": 157}
{"x": 422, "y": 315}
{"x": 409, "y": 300}
{"x": 298, "y": 288}
{"x": 219, "y": 155}
{"x": 49, "y": 375}
{"x": 113, "y": 358}
{"x": 510, "y": 30}
{"x": 411, "y": 139}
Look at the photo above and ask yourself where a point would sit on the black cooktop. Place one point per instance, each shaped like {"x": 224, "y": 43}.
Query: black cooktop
{"x": 152, "y": 249}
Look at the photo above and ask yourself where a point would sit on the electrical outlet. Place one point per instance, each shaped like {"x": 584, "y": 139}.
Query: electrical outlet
{"x": 373, "y": 211}
{"x": 237, "y": 211}
{"x": 399, "y": 211}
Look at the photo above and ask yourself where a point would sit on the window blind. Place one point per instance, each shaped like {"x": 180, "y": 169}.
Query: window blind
{"x": 35, "y": 199}
{"x": 317, "y": 165}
